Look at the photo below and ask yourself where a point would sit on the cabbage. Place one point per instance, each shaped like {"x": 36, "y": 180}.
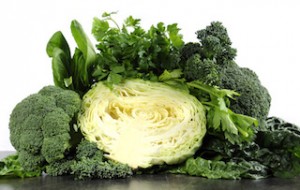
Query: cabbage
{"x": 143, "y": 123}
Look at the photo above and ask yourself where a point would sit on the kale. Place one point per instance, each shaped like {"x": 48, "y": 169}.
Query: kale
{"x": 274, "y": 152}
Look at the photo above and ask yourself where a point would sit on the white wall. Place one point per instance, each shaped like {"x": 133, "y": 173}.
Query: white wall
{"x": 265, "y": 33}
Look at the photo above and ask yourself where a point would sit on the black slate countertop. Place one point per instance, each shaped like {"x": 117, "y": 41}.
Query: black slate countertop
{"x": 147, "y": 182}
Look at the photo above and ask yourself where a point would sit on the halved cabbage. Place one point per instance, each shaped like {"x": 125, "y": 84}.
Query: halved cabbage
{"x": 143, "y": 123}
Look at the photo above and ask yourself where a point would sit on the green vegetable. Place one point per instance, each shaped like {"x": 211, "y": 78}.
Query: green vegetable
{"x": 274, "y": 152}
{"x": 130, "y": 51}
{"x": 10, "y": 167}
{"x": 150, "y": 103}
{"x": 214, "y": 169}
{"x": 211, "y": 61}
{"x": 41, "y": 127}
{"x": 216, "y": 44}
{"x": 72, "y": 72}
{"x": 88, "y": 168}
{"x": 282, "y": 140}
{"x": 88, "y": 163}
{"x": 254, "y": 99}
{"x": 143, "y": 123}
{"x": 204, "y": 70}
{"x": 233, "y": 127}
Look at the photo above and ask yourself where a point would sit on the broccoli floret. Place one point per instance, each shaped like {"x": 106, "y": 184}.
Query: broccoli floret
{"x": 41, "y": 127}
{"x": 254, "y": 99}
{"x": 216, "y": 44}
{"x": 204, "y": 60}
{"x": 203, "y": 70}
{"x": 187, "y": 51}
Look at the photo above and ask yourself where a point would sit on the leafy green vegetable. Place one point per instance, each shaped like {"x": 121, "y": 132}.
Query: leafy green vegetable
{"x": 282, "y": 139}
{"x": 85, "y": 55}
{"x": 88, "y": 163}
{"x": 151, "y": 103}
{"x": 214, "y": 169}
{"x": 10, "y": 167}
{"x": 88, "y": 168}
{"x": 72, "y": 72}
{"x": 91, "y": 164}
{"x": 59, "y": 50}
{"x": 274, "y": 152}
{"x": 236, "y": 127}
{"x": 130, "y": 51}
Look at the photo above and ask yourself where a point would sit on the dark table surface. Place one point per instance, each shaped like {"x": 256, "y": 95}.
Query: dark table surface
{"x": 147, "y": 182}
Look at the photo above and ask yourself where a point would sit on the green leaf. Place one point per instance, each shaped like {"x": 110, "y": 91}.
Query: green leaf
{"x": 169, "y": 75}
{"x": 100, "y": 28}
{"x": 117, "y": 68}
{"x": 114, "y": 78}
{"x": 130, "y": 21}
{"x": 89, "y": 56}
{"x": 10, "y": 167}
{"x": 106, "y": 14}
{"x": 83, "y": 42}
{"x": 236, "y": 128}
{"x": 58, "y": 49}
{"x": 57, "y": 41}
{"x": 175, "y": 37}
{"x": 213, "y": 169}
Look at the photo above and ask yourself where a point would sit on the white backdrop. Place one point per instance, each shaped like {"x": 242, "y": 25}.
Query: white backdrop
{"x": 266, "y": 34}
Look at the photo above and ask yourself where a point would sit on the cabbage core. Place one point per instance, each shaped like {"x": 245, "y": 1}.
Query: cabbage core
{"x": 143, "y": 123}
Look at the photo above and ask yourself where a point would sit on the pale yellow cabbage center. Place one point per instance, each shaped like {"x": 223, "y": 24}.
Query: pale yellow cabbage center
{"x": 143, "y": 123}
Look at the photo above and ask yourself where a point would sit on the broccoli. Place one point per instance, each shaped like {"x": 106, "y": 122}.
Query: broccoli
{"x": 211, "y": 61}
{"x": 216, "y": 44}
{"x": 187, "y": 51}
{"x": 254, "y": 99}
{"x": 91, "y": 164}
{"x": 203, "y": 70}
{"x": 41, "y": 127}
